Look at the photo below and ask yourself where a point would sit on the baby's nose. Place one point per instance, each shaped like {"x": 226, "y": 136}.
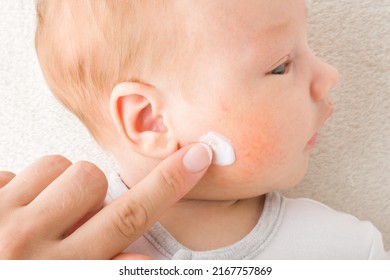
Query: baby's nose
{"x": 325, "y": 77}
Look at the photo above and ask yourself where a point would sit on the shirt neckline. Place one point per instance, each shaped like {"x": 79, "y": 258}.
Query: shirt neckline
{"x": 247, "y": 248}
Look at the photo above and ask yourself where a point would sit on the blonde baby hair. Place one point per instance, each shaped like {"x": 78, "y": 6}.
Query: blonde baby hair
{"x": 86, "y": 47}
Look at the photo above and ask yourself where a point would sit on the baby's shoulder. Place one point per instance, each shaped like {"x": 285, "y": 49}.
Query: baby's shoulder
{"x": 311, "y": 224}
{"x": 310, "y": 210}
{"x": 317, "y": 214}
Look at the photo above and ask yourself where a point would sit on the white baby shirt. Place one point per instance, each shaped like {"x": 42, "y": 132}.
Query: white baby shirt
{"x": 287, "y": 229}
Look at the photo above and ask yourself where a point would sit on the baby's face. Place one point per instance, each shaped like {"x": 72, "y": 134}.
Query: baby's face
{"x": 257, "y": 83}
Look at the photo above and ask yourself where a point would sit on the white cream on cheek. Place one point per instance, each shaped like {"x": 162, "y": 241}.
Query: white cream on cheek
{"x": 223, "y": 151}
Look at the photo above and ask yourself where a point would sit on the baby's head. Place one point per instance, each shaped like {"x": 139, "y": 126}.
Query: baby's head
{"x": 147, "y": 77}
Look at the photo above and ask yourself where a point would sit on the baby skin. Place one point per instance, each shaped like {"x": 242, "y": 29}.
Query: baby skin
{"x": 253, "y": 80}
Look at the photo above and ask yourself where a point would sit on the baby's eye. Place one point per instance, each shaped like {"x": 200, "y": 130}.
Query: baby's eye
{"x": 280, "y": 70}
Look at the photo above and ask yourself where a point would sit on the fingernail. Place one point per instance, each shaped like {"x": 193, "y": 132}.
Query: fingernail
{"x": 198, "y": 158}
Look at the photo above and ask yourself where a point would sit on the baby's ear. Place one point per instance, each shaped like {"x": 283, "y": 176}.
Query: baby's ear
{"x": 138, "y": 113}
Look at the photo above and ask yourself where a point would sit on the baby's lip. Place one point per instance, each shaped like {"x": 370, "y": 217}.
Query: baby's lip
{"x": 312, "y": 142}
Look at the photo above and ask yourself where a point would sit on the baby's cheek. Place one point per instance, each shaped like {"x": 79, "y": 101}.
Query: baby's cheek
{"x": 258, "y": 152}
{"x": 258, "y": 139}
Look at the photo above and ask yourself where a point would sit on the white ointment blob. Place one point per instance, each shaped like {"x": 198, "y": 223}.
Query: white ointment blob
{"x": 222, "y": 148}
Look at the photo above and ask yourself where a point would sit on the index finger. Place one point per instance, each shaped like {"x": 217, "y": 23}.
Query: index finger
{"x": 124, "y": 220}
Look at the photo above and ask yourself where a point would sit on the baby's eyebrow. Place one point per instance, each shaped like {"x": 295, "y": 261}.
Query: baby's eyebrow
{"x": 279, "y": 27}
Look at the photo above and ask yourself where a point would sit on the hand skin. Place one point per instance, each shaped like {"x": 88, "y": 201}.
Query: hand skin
{"x": 41, "y": 206}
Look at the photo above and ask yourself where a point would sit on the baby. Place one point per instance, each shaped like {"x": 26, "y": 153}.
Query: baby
{"x": 148, "y": 77}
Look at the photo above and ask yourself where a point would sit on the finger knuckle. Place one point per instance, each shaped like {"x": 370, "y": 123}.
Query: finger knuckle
{"x": 85, "y": 166}
{"x": 172, "y": 181}
{"x": 49, "y": 166}
{"x": 90, "y": 172}
{"x": 9, "y": 250}
{"x": 57, "y": 160}
{"x": 14, "y": 240}
{"x": 131, "y": 219}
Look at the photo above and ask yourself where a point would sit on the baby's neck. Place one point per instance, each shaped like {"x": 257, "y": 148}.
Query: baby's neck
{"x": 207, "y": 225}
{"x": 203, "y": 225}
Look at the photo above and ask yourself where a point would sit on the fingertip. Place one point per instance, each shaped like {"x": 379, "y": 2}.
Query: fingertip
{"x": 198, "y": 158}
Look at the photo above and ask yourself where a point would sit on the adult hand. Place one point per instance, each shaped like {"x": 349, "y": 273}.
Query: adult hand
{"x": 40, "y": 206}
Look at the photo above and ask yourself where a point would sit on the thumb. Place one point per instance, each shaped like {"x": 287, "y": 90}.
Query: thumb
{"x": 125, "y": 219}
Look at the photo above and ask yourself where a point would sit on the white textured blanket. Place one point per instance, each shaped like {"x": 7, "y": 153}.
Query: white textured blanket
{"x": 350, "y": 169}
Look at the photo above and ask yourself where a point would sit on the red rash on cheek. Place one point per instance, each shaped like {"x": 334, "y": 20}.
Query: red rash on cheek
{"x": 258, "y": 145}
{"x": 255, "y": 149}
{"x": 257, "y": 159}
{"x": 223, "y": 105}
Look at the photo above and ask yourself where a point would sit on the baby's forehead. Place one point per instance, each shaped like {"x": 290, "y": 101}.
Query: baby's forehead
{"x": 246, "y": 35}
{"x": 221, "y": 17}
